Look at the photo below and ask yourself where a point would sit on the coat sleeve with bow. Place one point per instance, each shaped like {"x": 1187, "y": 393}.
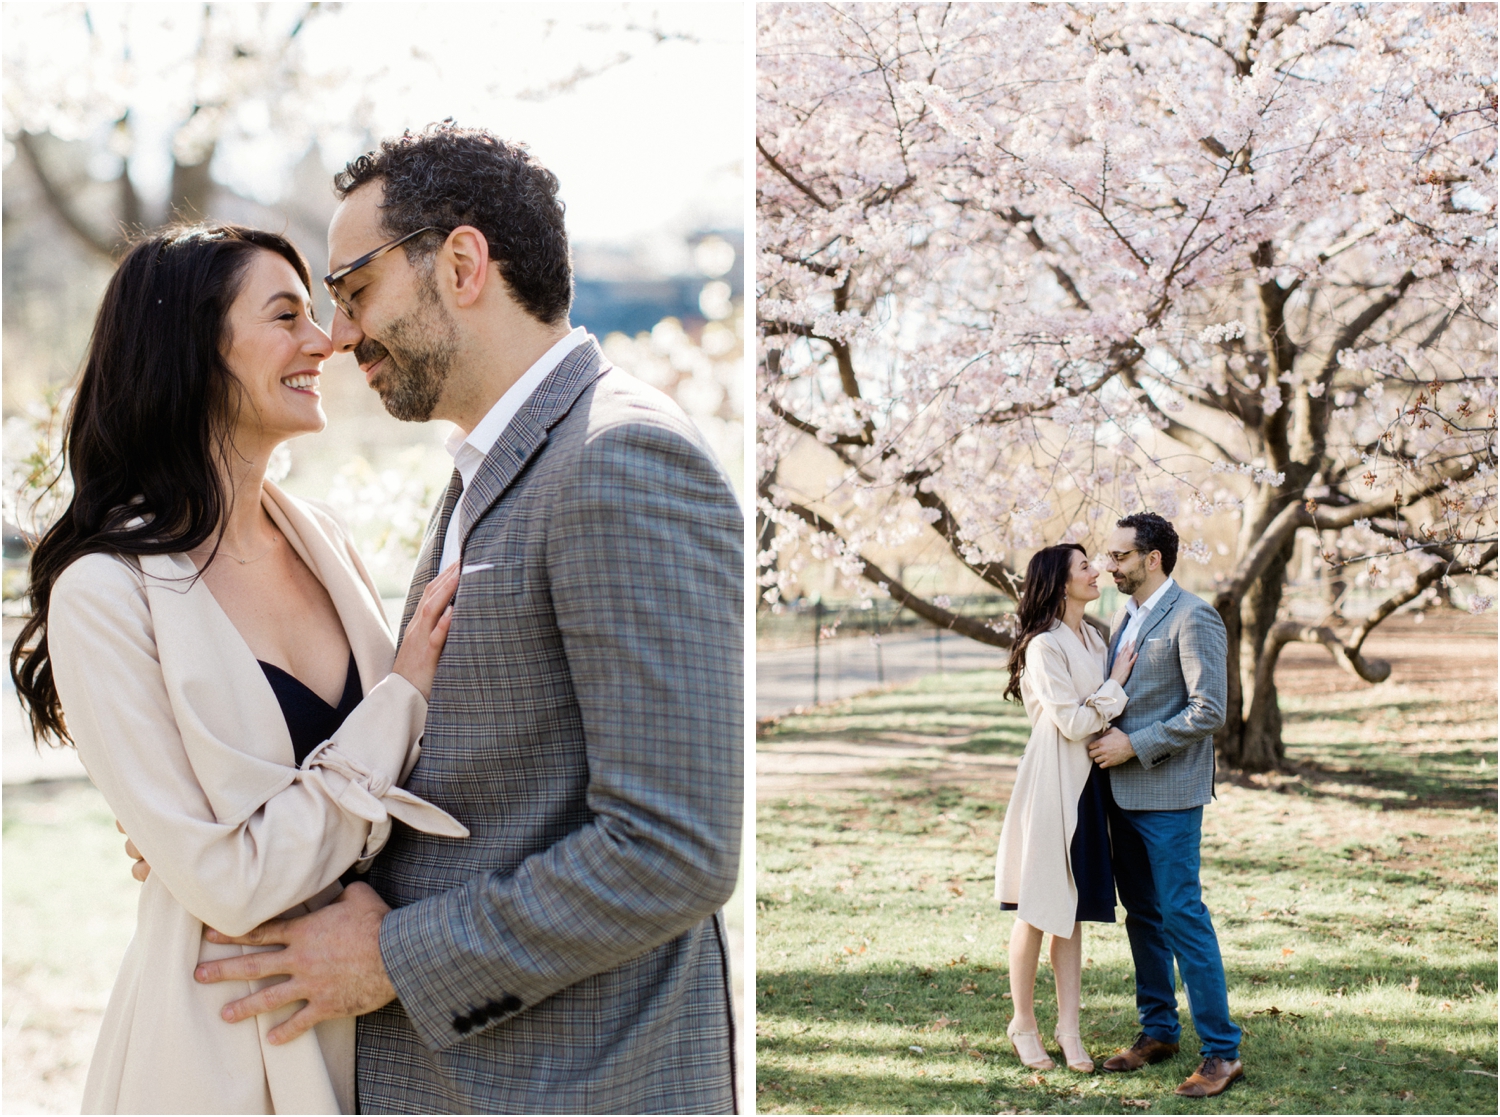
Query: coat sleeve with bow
{"x": 150, "y": 748}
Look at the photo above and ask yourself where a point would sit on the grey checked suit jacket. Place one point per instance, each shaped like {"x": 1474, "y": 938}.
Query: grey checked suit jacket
{"x": 586, "y": 726}
{"x": 1177, "y": 692}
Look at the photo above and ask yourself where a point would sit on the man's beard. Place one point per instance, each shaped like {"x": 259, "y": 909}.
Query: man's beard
{"x": 1124, "y": 581}
{"x": 419, "y": 350}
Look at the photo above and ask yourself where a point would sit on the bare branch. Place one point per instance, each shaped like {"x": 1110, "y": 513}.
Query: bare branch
{"x": 59, "y": 201}
{"x": 943, "y": 618}
{"x": 1346, "y": 656}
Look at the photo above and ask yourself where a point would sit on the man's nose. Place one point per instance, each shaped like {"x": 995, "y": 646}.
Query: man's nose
{"x": 346, "y": 334}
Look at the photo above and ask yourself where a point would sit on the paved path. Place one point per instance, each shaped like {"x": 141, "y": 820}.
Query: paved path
{"x": 784, "y": 679}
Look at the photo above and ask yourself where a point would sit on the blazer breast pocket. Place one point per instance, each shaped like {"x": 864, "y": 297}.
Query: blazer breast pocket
{"x": 1158, "y": 651}
{"x": 486, "y": 579}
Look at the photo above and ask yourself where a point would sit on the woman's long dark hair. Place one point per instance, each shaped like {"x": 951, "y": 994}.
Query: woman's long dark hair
{"x": 147, "y": 438}
{"x": 1042, "y": 597}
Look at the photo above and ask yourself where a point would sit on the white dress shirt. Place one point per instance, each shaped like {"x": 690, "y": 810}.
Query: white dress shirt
{"x": 469, "y": 449}
{"x": 1137, "y": 613}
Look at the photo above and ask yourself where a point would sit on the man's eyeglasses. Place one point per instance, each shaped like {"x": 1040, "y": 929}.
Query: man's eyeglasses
{"x": 333, "y": 279}
{"x": 1119, "y": 556}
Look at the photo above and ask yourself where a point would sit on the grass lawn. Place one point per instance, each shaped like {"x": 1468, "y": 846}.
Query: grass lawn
{"x": 1353, "y": 895}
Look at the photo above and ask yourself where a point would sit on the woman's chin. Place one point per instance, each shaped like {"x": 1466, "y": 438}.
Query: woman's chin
{"x": 313, "y": 421}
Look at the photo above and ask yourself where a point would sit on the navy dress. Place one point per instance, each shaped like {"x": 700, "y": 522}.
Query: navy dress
{"x": 309, "y": 719}
{"x": 1089, "y": 853}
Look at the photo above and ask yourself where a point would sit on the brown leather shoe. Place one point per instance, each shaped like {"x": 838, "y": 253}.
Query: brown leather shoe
{"x": 1212, "y": 1078}
{"x": 1144, "y": 1050}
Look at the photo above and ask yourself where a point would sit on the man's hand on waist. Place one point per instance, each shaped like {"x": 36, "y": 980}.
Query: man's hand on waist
{"x": 331, "y": 956}
{"x": 1112, "y": 749}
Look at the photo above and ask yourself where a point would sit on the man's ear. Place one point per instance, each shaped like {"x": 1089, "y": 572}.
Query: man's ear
{"x": 467, "y": 256}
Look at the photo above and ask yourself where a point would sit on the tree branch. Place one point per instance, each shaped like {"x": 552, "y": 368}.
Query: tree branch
{"x": 786, "y": 174}
{"x": 1299, "y": 514}
{"x": 943, "y": 618}
{"x": 59, "y": 202}
{"x": 805, "y": 427}
{"x": 1355, "y": 329}
{"x": 1432, "y": 574}
{"x": 946, "y": 525}
{"x": 1016, "y": 219}
{"x": 1183, "y": 433}
{"x": 1346, "y": 656}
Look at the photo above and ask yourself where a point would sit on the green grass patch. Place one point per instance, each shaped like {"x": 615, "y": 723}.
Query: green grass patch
{"x": 1354, "y": 900}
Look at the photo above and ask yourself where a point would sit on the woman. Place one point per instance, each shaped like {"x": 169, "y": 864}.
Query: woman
{"x": 1053, "y": 865}
{"x": 220, "y": 658}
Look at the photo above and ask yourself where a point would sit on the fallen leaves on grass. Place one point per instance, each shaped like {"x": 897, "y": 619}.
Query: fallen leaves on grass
{"x": 1135, "y": 1103}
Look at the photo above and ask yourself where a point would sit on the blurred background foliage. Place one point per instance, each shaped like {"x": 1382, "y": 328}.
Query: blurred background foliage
{"x": 121, "y": 117}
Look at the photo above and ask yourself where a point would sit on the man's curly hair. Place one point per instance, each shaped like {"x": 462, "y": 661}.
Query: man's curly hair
{"x": 447, "y": 176}
{"x": 1152, "y": 533}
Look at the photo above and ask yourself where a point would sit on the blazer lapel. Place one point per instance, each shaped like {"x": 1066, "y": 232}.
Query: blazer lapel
{"x": 1116, "y": 630}
{"x": 430, "y": 557}
{"x": 527, "y": 433}
{"x": 1158, "y": 614}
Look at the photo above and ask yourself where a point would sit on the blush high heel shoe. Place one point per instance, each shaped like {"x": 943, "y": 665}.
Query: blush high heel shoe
{"x": 1036, "y": 1057}
{"x": 1084, "y": 1065}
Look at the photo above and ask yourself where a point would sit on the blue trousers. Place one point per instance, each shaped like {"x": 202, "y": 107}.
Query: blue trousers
{"x": 1156, "y": 862}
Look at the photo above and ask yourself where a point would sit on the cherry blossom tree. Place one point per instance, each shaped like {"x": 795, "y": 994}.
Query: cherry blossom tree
{"x": 1024, "y": 268}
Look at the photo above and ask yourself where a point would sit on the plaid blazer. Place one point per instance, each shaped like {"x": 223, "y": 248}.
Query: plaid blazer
{"x": 1177, "y": 692}
{"x": 586, "y": 725}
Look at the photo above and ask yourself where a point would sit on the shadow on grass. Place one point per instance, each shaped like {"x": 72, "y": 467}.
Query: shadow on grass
{"x": 922, "y": 1044}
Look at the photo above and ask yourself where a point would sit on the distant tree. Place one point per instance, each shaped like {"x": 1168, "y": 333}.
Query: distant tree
{"x": 233, "y": 53}
{"x": 1030, "y": 264}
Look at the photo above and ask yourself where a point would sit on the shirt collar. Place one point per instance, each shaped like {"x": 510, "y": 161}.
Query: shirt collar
{"x": 1131, "y": 607}
{"x": 469, "y": 449}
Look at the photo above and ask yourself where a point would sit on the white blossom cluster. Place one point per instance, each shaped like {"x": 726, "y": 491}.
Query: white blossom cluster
{"x": 703, "y": 374}
{"x": 1137, "y": 273}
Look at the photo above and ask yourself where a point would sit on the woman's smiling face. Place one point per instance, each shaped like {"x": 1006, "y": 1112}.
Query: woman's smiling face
{"x": 1083, "y": 579}
{"x": 276, "y": 353}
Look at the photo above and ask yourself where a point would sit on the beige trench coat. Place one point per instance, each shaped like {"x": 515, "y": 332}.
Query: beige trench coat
{"x": 178, "y": 727}
{"x": 1069, "y": 703}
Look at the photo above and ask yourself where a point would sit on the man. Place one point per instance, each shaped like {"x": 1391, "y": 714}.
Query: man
{"x": 585, "y": 723}
{"x": 1160, "y": 756}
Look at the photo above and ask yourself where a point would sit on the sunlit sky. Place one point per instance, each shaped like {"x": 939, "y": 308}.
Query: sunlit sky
{"x": 636, "y": 107}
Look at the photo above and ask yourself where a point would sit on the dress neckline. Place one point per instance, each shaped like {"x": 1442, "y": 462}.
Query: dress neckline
{"x": 351, "y": 679}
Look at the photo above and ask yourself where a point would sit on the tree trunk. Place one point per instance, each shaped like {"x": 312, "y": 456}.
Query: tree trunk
{"x": 1251, "y": 737}
{"x": 765, "y": 532}
{"x": 192, "y": 190}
